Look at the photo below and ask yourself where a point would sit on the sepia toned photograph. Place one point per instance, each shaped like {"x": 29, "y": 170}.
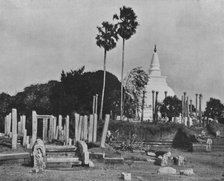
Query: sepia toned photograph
{"x": 112, "y": 90}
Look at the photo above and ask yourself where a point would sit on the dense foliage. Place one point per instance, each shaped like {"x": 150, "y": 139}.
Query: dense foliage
{"x": 214, "y": 109}
{"x": 74, "y": 93}
{"x": 171, "y": 107}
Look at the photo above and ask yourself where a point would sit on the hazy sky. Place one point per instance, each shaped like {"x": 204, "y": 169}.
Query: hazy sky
{"x": 40, "y": 38}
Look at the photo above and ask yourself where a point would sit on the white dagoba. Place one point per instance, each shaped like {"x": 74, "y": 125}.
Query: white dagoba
{"x": 156, "y": 83}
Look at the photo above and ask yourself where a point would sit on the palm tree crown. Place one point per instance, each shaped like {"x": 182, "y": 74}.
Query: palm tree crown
{"x": 107, "y": 36}
{"x": 127, "y": 22}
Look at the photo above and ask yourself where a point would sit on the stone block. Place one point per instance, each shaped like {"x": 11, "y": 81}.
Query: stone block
{"x": 98, "y": 156}
{"x": 161, "y": 161}
{"x": 91, "y": 164}
{"x": 167, "y": 170}
{"x": 188, "y": 172}
{"x": 116, "y": 160}
{"x": 151, "y": 154}
{"x": 126, "y": 176}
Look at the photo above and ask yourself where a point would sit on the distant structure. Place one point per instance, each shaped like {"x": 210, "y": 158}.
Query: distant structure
{"x": 156, "y": 87}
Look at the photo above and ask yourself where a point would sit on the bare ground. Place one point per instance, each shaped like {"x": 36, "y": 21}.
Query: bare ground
{"x": 207, "y": 166}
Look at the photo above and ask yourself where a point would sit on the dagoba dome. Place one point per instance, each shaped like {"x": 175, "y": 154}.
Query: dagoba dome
{"x": 156, "y": 83}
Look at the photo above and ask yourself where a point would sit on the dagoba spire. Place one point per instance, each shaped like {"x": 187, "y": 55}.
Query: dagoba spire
{"x": 154, "y": 69}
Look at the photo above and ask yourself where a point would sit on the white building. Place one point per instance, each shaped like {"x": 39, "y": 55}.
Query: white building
{"x": 156, "y": 82}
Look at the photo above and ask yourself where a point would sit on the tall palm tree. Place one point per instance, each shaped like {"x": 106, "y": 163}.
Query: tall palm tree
{"x": 106, "y": 38}
{"x": 126, "y": 27}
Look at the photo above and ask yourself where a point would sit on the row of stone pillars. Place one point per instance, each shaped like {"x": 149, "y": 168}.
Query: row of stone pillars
{"x": 155, "y": 104}
{"x": 85, "y": 128}
{"x": 187, "y": 107}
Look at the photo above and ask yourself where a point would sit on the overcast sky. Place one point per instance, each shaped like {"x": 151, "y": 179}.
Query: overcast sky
{"x": 40, "y": 38}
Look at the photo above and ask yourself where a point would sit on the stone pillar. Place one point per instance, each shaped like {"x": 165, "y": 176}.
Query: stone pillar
{"x": 94, "y": 103}
{"x": 184, "y": 105}
{"x": 143, "y": 104}
{"x": 24, "y": 137}
{"x": 14, "y": 128}
{"x": 187, "y": 111}
{"x": 51, "y": 128}
{"x": 54, "y": 127}
{"x": 196, "y": 105}
{"x": 19, "y": 125}
{"x": 182, "y": 114}
{"x": 104, "y": 133}
{"x": 191, "y": 107}
{"x": 34, "y": 127}
{"x": 10, "y": 124}
{"x": 156, "y": 109}
{"x": 200, "y": 112}
{"x": 60, "y": 122}
{"x": 67, "y": 130}
{"x": 153, "y": 106}
{"x": 90, "y": 131}
{"x": 85, "y": 128}
{"x": 5, "y": 125}
{"x": 76, "y": 127}
{"x": 94, "y": 127}
{"x": 23, "y": 122}
{"x": 165, "y": 92}
{"x": 80, "y": 128}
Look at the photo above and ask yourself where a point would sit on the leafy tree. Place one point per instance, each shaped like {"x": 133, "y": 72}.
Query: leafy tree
{"x": 134, "y": 86}
{"x": 126, "y": 27}
{"x": 5, "y": 106}
{"x": 171, "y": 107}
{"x": 214, "y": 109}
{"x": 106, "y": 38}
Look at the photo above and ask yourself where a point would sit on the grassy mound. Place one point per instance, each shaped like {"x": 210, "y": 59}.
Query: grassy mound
{"x": 124, "y": 131}
{"x": 184, "y": 138}
{"x": 213, "y": 127}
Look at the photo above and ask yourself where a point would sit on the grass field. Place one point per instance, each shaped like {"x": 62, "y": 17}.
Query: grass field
{"x": 207, "y": 166}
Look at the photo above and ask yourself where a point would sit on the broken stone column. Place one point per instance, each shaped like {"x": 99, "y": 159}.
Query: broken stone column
{"x": 76, "y": 127}
{"x": 165, "y": 92}
{"x": 94, "y": 127}
{"x": 10, "y": 125}
{"x": 196, "y": 104}
{"x": 45, "y": 129}
{"x": 90, "y": 131}
{"x": 23, "y": 123}
{"x": 190, "y": 111}
{"x": 200, "y": 111}
{"x": 60, "y": 128}
{"x": 85, "y": 128}
{"x": 24, "y": 137}
{"x": 94, "y": 104}
{"x": 5, "y": 125}
{"x": 184, "y": 106}
{"x": 81, "y": 127}
{"x": 54, "y": 127}
{"x": 14, "y": 128}
{"x": 34, "y": 127}
{"x": 67, "y": 130}
{"x": 19, "y": 126}
{"x": 156, "y": 106}
{"x": 153, "y": 106}
{"x": 104, "y": 133}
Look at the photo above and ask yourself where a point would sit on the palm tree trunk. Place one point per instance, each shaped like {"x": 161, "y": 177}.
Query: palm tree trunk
{"x": 122, "y": 82}
{"x": 104, "y": 82}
